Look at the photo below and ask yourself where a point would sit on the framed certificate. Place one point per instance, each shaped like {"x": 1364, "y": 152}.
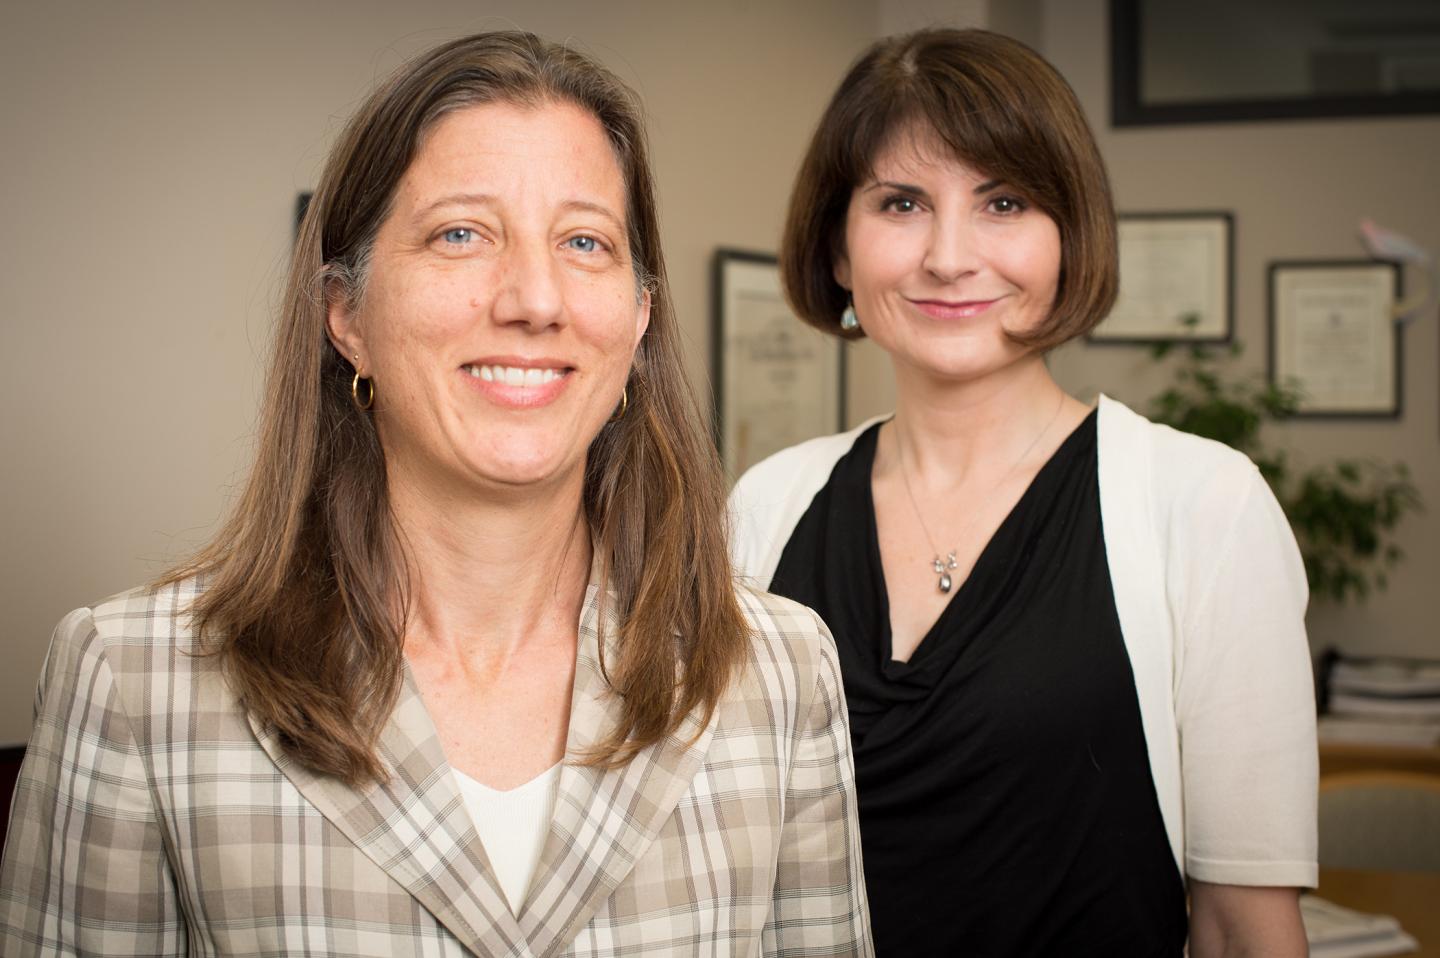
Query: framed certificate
{"x": 1176, "y": 279}
{"x": 1333, "y": 335}
{"x": 777, "y": 381}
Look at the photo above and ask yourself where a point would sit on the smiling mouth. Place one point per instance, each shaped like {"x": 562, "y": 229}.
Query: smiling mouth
{"x": 961, "y": 309}
{"x": 515, "y": 375}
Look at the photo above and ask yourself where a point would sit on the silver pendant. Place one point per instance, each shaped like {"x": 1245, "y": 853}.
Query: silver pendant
{"x": 942, "y": 568}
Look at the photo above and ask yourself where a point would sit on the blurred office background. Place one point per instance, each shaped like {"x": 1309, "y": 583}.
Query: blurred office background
{"x": 154, "y": 149}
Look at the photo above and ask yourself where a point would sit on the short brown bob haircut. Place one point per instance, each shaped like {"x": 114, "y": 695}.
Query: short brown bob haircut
{"x": 1000, "y": 109}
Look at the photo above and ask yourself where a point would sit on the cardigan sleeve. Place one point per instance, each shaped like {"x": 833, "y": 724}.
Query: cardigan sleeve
{"x": 1244, "y": 695}
{"x": 85, "y": 870}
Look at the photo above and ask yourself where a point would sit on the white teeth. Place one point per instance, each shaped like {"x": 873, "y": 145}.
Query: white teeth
{"x": 514, "y": 375}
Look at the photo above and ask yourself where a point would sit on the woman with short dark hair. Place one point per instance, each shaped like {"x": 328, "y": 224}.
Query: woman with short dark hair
{"x": 1072, "y": 641}
{"x": 467, "y": 672}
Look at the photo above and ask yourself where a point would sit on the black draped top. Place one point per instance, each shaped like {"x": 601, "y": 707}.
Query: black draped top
{"x": 1006, "y": 802}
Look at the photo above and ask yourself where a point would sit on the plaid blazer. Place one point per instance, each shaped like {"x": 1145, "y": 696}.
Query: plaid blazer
{"x": 154, "y": 817}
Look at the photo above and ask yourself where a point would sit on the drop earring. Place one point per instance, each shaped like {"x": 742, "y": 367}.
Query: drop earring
{"x": 848, "y": 320}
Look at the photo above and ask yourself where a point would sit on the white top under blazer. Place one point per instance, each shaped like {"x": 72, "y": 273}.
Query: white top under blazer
{"x": 512, "y": 825}
{"x": 1211, "y": 595}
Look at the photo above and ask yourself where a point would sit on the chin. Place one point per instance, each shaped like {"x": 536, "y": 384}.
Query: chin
{"x": 524, "y": 466}
{"x": 960, "y": 368}
{"x": 969, "y": 360}
{"x": 517, "y": 474}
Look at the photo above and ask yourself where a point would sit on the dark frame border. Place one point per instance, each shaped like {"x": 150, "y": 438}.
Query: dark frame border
{"x": 1128, "y": 108}
{"x": 1226, "y": 217}
{"x": 11, "y": 756}
{"x": 1275, "y": 266}
{"x": 722, "y": 257}
{"x": 302, "y": 206}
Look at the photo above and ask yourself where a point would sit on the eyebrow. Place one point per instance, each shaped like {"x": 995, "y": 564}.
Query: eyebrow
{"x": 457, "y": 199}
{"x": 489, "y": 199}
{"x": 598, "y": 209}
{"x": 983, "y": 188}
{"x": 897, "y": 187}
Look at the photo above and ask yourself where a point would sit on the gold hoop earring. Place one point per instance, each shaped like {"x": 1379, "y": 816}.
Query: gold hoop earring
{"x": 619, "y": 414}
{"x": 354, "y": 389}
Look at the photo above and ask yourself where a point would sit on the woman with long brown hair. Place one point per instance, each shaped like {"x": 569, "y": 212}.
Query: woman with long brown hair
{"x": 466, "y": 671}
{"x": 1073, "y": 641}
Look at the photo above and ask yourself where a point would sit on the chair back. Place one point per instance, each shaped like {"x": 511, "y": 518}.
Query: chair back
{"x": 1380, "y": 820}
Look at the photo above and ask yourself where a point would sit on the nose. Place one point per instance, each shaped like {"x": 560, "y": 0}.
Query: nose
{"x": 529, "y": 292}
{"x": 952, "y": 253}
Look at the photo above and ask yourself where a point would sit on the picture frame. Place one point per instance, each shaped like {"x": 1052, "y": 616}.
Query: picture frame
{"x": 1334, "y": 336}
{"x": 776, "y": 380}
{"x": 1173, "y": 265}
{"x": 1347, "y": 71}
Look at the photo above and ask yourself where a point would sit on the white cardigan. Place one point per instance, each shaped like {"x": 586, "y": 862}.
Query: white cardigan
{"x": 1211, "y": 597}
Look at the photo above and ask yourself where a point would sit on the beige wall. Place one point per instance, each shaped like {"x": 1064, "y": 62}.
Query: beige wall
{"x": 152, "y": 153}
{"x": 902, "y": 16}
{"x": 1297, "y": 190}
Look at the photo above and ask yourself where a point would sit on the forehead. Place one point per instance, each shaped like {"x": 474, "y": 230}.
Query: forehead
{"x": 916, "y": 150}
{"x": 547, "y": 148}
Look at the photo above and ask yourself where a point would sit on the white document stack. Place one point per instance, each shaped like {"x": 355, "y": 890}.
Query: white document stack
{"x": 1383, "y": 702}
{"x": 1336, "y": 932}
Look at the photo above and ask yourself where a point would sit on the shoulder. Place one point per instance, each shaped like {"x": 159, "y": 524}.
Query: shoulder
{"x": 773, "y": 494}
{"x": 785, "y": 634}
{"x": 778, "y": 475}
{"x": 1187, "y": 478}
{"x": 128, "y": 647}
{"x": 148, "y": 616}
{"x": 791, "y": 651}
{"x": 1204, "y": 505}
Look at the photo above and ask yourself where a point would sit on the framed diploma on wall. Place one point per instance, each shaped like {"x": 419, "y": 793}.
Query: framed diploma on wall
{"x": 777, "y": 381}
{"x": 1176, "y": 279}
{"x": 1333, "y": 335}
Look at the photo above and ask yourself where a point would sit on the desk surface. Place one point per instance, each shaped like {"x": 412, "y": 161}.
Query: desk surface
{"x": 1411, "y": 897}
{"x": 1354, "y": 757}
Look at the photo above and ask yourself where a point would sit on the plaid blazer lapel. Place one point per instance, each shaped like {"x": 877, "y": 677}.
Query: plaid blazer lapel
{"x": 416, "y": 828}
{"x": 604, "y": 818}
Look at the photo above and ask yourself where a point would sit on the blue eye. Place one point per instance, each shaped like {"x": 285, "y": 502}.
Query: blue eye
{"x": 458, "y": 235}
{"x": 583, "y": 244}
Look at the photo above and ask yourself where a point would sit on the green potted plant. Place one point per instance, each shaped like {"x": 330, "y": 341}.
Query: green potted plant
{"x": 1344, "y": 513}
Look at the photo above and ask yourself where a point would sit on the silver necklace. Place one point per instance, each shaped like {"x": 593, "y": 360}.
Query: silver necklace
{"x": 943, "y": 567}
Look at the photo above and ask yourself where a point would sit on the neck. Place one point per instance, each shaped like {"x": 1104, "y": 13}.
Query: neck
{"x": 487, "y": 573}
{"x": 952, "y": 431}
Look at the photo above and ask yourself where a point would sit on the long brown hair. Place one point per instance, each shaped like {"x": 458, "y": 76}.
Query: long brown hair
{"x": 301, "y": 585}
{"x": 998, "y": 107}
